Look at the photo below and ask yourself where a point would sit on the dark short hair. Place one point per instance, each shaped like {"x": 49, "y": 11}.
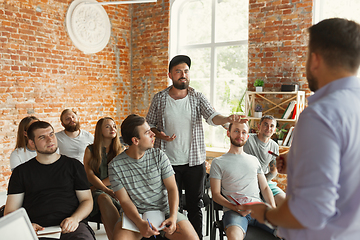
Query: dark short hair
{"x": 266, "y": 117}
{"x": 337, "y": 40}
{"x": 179, "y": 59}
{"x": 129, "y": 128}
{"x": 37, "y": 125}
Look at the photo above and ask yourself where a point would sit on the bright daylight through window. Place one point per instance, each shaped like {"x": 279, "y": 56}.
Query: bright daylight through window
{"x": 214, "y": 34}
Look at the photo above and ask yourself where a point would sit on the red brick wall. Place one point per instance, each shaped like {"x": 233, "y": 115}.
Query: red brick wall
{"x": 278, "y": 42}
{"x": 42, "y": 72}
{"x": 278, "y": 45}
{"x": 150, "y": 52}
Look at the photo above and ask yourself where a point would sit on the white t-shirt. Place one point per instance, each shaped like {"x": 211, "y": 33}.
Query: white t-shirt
{"x": 19, "y": 156}
{"x": 74, "y": 147}
{"x": 178, "y": 121}
{"x": 238, "y": 174}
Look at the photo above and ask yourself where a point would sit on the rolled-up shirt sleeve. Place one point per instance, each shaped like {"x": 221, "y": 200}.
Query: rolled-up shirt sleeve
{"x": 207, "y": 111}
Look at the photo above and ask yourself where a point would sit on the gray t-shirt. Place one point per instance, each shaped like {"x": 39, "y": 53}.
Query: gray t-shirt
{"x": 238, "y": 174}
{"x": 142, "y": 179}
{"x": 260, "y": 150}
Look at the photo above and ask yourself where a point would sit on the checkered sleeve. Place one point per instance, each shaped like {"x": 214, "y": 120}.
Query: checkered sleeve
{"x": 152, "y": 115}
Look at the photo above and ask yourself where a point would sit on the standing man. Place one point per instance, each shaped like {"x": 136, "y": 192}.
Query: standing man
{"x": 73, "y": 141}
{"x": 175, "y": 116}
{"x": 323, "y": 162}
{"x": 143, "y": 180}
{"x": 52, "y": 188}
{"x": 259, "y": 146}
{"x": 239, "y": 175}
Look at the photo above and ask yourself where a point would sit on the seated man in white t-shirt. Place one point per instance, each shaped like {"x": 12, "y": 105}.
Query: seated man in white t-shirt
{"x": 72, "y": 141}
{"x": 238, "y": 175}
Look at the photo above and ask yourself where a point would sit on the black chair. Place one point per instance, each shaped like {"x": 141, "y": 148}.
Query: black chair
{"x": 97, "y": 219}
{"x": 2, "y": 209}
{"x": 253, "y": 233}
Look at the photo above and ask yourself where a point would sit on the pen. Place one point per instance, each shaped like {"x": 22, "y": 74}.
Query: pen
{"x": 150, "y": 226}
{"x": 274, "y": 154}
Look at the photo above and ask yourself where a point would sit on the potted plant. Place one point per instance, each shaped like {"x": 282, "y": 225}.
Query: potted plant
{"x": 258, "y": 84}
{"x": 258, "y": 111}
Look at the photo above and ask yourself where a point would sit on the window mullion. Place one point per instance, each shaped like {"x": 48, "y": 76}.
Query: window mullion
{"x": 213, "y": 62}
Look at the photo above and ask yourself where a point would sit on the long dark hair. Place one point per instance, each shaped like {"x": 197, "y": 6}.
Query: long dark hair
{"x": 115, "y": 147}
{"x": 21, "y": 139}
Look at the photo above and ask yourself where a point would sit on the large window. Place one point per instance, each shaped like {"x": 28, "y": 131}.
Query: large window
{"x": 214, "y": 34}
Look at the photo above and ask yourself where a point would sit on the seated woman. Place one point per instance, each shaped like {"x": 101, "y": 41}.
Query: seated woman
{"x": 23, "y": 151}
{"x": 97, "y": 156}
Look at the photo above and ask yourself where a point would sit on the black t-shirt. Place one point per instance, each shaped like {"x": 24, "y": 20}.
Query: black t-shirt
{"x": 50, "y": 195}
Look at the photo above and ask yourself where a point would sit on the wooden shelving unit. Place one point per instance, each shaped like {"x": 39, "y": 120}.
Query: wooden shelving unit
{"x": 251, "y": 97}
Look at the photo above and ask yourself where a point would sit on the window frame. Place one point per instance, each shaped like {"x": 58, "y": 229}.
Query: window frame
{"x": 175, "y": 46}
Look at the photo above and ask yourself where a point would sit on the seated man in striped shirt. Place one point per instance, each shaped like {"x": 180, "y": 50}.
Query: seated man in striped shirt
{"x": 139, "y": 177}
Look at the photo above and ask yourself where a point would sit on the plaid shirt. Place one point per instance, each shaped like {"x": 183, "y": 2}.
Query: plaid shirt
{"x": 199, "y": 107}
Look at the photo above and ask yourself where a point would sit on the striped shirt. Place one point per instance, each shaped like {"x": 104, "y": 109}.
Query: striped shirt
{"x": 200, "y": 107}
{"x": 142, "y": 179}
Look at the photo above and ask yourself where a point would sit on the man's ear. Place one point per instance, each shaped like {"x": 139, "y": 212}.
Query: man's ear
{"x": 169, "y": 75}
{"x": 228, "y": 133}
{"x": 135, "y": 140}
{"x": 31, "y": 143}
{"x": 315, "y": 61}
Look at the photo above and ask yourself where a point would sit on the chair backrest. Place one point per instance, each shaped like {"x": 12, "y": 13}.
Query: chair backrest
{"x": 2, "y": 209}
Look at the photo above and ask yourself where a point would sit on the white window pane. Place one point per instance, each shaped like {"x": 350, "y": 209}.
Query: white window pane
{"x": 195, "y": 22}
{"x": 215, "y": 136}
{"x": 348, "y": 9}
{"x": 200, "y": 70}
{"x": 231, "y": 77}
{"x": 231, "y": 21}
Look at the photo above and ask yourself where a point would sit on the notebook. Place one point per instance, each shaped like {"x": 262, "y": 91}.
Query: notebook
{"x": 156, "y": 217}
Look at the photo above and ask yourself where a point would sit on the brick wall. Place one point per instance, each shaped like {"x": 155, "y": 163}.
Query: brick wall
{"x": 43, "y": 73}
{"x": 150, "y": 52}
{"x": 278, "y": 46}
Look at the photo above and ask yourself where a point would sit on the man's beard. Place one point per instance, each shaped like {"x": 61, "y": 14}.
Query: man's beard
{"x": 181, "y": 85}
{"x": 49, "y": 152}
{"x": 236, "y": 144}
{"x": 72, "y": 128}
{"x": 312, "y": 81}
